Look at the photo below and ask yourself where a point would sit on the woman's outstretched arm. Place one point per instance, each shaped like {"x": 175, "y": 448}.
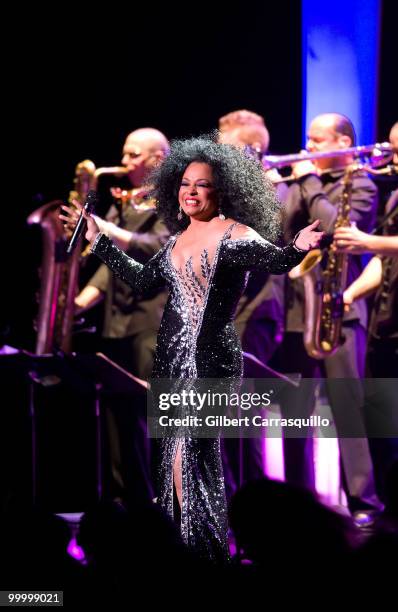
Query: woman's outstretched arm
{"x": 248, "y": 250}
{"x": 143, "y": 278}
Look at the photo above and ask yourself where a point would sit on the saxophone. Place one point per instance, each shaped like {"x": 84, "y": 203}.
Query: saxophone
{"x": 137, "y": 198}
{"x": 59, "y": 272}
{"x": 324, "y": 287}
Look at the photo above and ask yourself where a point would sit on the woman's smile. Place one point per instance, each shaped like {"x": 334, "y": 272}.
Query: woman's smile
{"x": 197, "y": 195}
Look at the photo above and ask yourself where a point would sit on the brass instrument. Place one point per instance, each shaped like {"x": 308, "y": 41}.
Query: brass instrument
{"x": 323, "y": 288}
{"x": 137, "y": 198}
{"x": 59, "y": 273}
{"x": 115, "y": 170}
{"x": 378, "y": 154}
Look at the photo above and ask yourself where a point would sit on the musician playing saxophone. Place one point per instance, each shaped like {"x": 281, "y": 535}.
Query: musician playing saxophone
{"x": 130, "y": 326}
{"x": 353, "y": 240}
{"x": 380, "y": 278}
{"x": 131, "y": 323}
{"x": 316, "y": 194}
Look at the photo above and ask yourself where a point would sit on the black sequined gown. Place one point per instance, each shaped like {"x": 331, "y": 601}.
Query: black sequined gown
{"x": 197, "y": 339}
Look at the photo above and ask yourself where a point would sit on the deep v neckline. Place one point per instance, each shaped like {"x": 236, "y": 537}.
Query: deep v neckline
{"x": 194, "y": 291}
{"x": 186, "y": 262}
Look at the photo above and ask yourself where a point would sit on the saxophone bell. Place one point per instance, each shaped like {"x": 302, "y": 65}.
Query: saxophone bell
{"x": 312, "y": 259}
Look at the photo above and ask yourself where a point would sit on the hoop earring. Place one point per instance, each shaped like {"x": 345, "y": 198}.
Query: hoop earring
{"x": 179, "y": 216}
{"x": 221, "y": 215}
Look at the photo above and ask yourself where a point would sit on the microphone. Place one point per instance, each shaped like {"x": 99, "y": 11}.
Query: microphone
{"x": 89, "y": 207}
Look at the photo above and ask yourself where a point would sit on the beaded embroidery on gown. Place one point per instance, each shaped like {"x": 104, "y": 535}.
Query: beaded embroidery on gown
{"x": 197, "y": 339}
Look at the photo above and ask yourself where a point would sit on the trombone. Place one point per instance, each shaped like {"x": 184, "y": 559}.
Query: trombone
{"x": 373, "y": 156}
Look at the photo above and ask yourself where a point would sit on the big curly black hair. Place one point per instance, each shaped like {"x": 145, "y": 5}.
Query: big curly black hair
{"x": 245, "y": 194}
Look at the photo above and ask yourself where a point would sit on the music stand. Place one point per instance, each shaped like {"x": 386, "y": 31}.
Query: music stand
{"x": 82, "y": 373}
{"x": 254, "y": 368}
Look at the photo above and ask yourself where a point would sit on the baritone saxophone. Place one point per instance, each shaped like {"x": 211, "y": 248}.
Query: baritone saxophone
{"x": 59, "y": 272}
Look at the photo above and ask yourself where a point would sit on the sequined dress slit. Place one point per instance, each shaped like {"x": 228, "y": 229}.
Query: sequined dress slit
{"x": 197, "y": 339}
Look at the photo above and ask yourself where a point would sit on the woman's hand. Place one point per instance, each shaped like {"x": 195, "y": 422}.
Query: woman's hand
{"x": 92, "y": 227}
{"x": 351, "y": 240}
{"x": 308, "y": 238}
{"x": 71, "y": 216}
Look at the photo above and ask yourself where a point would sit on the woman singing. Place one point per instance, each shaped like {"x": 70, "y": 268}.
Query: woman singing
{"x": 223, "y": 212}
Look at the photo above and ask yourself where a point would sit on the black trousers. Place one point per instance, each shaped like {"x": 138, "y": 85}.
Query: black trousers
{"x": 346, "y": 401}
{"x": 381, "y": 408}
{"x": 129, "y": 468}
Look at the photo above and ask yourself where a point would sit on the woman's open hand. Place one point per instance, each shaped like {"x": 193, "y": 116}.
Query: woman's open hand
{"x": 308, "y": 238}
{"x": 70, "y": 216}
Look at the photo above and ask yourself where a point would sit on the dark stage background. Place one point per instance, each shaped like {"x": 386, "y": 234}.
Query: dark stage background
{"x": 84, "y": 81}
